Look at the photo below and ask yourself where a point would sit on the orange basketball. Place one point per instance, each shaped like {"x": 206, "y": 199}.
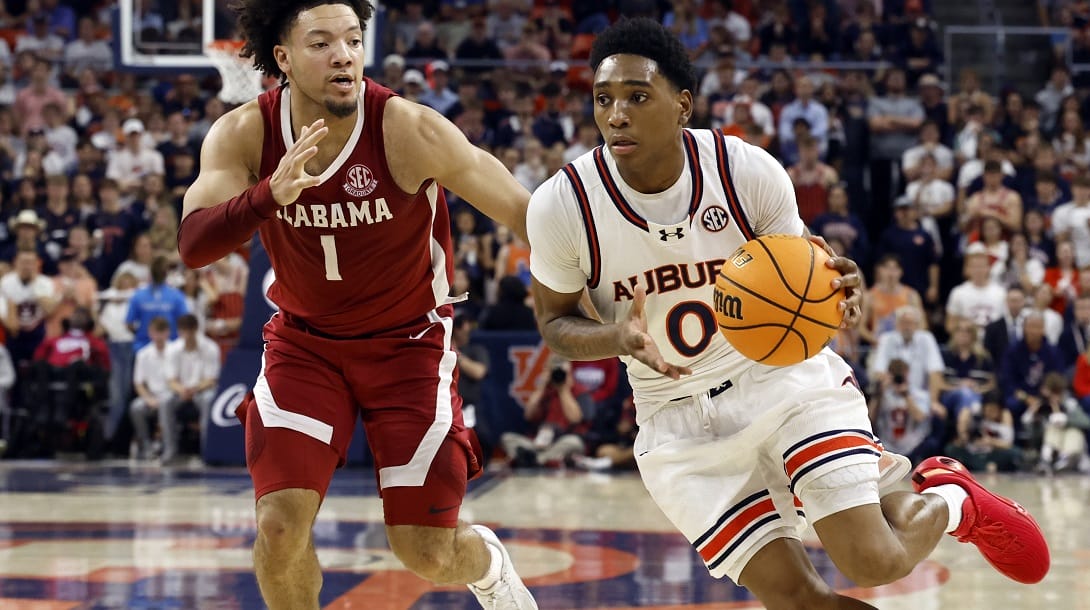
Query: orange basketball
{"x": 774, "y": 302}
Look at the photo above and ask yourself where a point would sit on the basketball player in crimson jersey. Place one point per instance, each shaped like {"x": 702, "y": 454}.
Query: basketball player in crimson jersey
{"x": 341, "y": 178}
{"x": 735, "y": 453}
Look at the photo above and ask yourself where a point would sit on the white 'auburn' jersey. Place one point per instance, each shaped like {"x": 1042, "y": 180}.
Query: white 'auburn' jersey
{"x": 588, "y": 228}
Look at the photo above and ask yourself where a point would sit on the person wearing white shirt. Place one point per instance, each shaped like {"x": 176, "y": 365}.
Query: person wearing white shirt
{"x": 87, "y": 51}
{"x": 930, "y": 145}
{"x": 129, "y": 164}
{"x": 1071, "y": 221}
{"x": 193, "y": 369}
{"x": 977, "y": 299}
{"x": 934, "y": 197}
{"x": 151, "y": 382}
{"x": 29, "y": 298}
{"x": 910, "y": 342}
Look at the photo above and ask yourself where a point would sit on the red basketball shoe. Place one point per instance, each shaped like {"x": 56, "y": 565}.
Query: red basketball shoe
{"x": 1004, "y": 533}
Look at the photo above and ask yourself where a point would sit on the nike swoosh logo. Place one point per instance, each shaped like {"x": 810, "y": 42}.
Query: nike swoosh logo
{"x": 435, "y": 511}
{"x": 421, "y": 333}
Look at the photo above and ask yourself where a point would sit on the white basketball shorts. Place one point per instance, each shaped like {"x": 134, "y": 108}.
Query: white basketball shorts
{"x": 735, "y": 471}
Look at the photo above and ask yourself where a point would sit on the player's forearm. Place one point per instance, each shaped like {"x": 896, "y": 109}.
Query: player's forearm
{"x": 209, "y": 234}
{"x": 579, "y": 338}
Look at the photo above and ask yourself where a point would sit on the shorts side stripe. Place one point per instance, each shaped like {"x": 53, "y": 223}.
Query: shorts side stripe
{"x": 727, "y": 515}
{"x": 272, "y": 416}
{"x": 830, "y": 458}
{"x": 413, "y": 473}
{"x": 737, "y": 530}
{"x": 749, "y": 532}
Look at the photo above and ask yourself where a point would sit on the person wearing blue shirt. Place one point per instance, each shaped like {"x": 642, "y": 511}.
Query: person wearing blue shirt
{"x": 155, "y": 300}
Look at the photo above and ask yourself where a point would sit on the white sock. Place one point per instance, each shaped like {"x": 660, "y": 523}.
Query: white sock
{"x": 955, "y": 496}
{"x": 492, "y": 575}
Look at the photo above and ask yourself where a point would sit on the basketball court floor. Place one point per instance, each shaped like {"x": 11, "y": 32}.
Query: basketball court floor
{"x": 105, "y": 536}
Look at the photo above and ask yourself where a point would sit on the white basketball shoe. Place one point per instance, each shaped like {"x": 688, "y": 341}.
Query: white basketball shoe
{"x": 508, "y": 593}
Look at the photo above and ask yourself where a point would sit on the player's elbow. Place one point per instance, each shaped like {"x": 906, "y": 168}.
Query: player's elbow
{"x": 193, "y": 253}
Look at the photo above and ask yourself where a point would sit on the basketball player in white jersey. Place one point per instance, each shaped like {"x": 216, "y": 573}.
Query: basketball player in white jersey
{"x": 735, "y": 453}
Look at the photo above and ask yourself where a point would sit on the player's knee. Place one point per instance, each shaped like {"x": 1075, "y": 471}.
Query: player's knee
{"x": 284, "y": 523}
{"x": 871, "y": 567}
{"x": 425, "y": 558}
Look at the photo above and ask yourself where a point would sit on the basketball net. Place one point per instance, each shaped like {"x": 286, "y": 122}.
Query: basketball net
{"x": 241, "y": 82}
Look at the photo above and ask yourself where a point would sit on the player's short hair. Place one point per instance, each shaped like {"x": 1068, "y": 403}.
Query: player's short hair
{"x": 646, "y": 38}
{"x": 159, "y": 324}
{"x": 264, "y": 24}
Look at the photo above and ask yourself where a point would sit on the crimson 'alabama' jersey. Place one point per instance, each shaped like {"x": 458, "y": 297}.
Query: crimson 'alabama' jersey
{"x": 590, "y": 229}
{"x": 354, "y": 255}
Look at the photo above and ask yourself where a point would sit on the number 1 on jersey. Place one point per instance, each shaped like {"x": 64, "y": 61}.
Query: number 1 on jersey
{"x": 329, "y": 248}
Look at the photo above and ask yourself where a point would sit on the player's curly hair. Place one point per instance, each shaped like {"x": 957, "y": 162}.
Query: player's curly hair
{"x": 646, "y": 38}
{"x": 263, "y": 24}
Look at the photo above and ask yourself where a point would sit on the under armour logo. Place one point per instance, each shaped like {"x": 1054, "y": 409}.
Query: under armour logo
{"x": 676, "y": 234}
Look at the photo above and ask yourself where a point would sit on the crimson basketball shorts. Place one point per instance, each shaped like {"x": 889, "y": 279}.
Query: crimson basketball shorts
{"x": 300, "y": 417}
{"x": 781, "y": 447}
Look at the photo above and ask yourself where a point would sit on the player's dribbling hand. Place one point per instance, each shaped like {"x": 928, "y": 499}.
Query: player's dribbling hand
{"x": 851, "y": 280}
{"x": 636, "y": 342}
{"x": 291, "y": 177}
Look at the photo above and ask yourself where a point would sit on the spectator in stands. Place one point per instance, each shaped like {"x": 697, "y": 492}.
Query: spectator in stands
{"x": 1071, "y": 221}
{"x": 919, "y": 54}
{"x": 614, "y": 441}
{"x": 27, "y": 229}
{"x": 934, "y": 198}
{"x": 839, "y": 223}
{"x": 29, "y": 297}
{"x": 425, "y": 44}
{"x": 60, "y": 17}
{"x": 687, "y": 24}
{"x": 193, "y": 370}
{"x": 139, "y": 261}
{"x": 38, "y": 40}
{"x": 226, "y": 299}
{"x": 59, "y": 219}
{"x": 894, "y": 120}
{"x": 884, "y": 298}
{"x": 978, "y": 299}
{"x": 119, "y": 337}
{"x": 128, "y": 165}
{"x": 505, "y": 24}
{"x": 993, "y": 201}
{"x": 805, "y": 107}
{"x": 985, "y": 437}
{"x": 902, "y": 414}
{"x": 914, "y": 248}
{"x": 587, "y": 138}
{"x": 1052, "y": 94}
{"x": 31, "y": 100}
{"x": 114, "y": 229}
{"x": 510, "y": 311}
{"x": 179, "y": 141}
{"x": 930, "y": 145}
{"x": 1020, "y": 267}
{"x": 473, "y": 363}
{"x": 1025, "y": 365}
{"x": 62, "y": 140}
{"x": 1056, "y": 424}
{"x": 1075, "y": 338}
{"x": 812, "y": 180}
{"x": 151, "y": 380}
{"x": 75, "y": 290}
{"x": 478, "y": 45}
{"x": 439, "y": 96}
{"x": 1071, "y": 143}
{"x": 910, "y": 342}
{"x": 156, "y": 300}
{"x": 1054, "y": 322}
{"x": 969, "y": 371}
{"x": 87, "y": 51}
{"x": 559, "y": 413}
{"x": 1007, "y": 329}
{"x": 1041, "y": 246}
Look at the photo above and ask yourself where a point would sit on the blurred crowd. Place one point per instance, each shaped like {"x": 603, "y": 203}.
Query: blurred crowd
{"x": 969, "y": 211}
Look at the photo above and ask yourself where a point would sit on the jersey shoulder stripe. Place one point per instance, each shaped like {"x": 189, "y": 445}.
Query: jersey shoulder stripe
{"x": 697, "y": 173}
{"x": 733, "y": 204}
{"x": 588, "y": 224}
{"x": 614, "y": 191}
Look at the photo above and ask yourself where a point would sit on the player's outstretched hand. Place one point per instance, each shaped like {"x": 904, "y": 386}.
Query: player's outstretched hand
{"x": 636, "y": 342}
{"x": 291, "y": 177}
{"x": 851, "y": 280}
